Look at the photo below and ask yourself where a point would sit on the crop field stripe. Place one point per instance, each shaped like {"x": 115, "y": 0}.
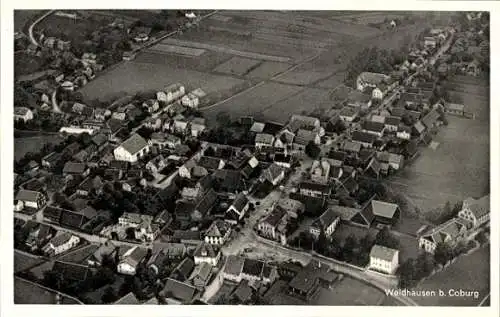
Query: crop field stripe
{"x": 226, "y": 50}
{"x": 174, "y": 49}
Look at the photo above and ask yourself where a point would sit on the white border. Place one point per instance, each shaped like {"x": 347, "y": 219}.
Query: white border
{"x": 6, "y": 144}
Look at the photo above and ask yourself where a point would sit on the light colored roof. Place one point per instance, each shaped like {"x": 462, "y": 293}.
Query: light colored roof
{"x": 264, "y": 138}
{"x": 351, "y": 146}
{"x": 21, "y": 111}
{"x": 384, "y": 253}
{"x": 134, "y": 144}
{"x": 348, "y": 111}
{"x": 128, "y": 299}
{"x": 373, "y": 78}
{"x": 479, "y": 207}
{"x": 384, "y": 209}
{"x": 218, "y": 228}
{"x": 272, "y": 172}
{"x": 305, "y": 136}
{"x": 234, "y": 265}
{"x": 61, "y": 239}
{"x": 199, "y": 93}
{"x": 257, "y": 127}
{"x": 376, "y": 118}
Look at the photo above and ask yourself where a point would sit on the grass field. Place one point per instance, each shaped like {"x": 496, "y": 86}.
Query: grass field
{"x": 303, "y": 77}
{"x": 204, "y": 63}
{"x": 32, "y": 144}
{"x": 74, "y": 29}
{"x": 268, "y": 70}
{"x": 237, "y": 66}
{"x": 350, "y": 292}
{"x": 470, "y": 272}
{"x": 21, "y": 17}
{"x": 254, "y": 101}
{"x": 133, "y": 77}
{"x": 24, "y": 261}
{"x": 29, "y": 293}
{"x": 450, "y": 173}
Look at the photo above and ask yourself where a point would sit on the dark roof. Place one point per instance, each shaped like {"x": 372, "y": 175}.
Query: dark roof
{"x": 218, "y": 228}
{"x": 28, "y": 195}
{"x": 71, "y": 271}
{"x": 252, "y": 267}
{"x": 398, "y": 111}
{"x": 234, "y": 264}
{"x": 240, "y": 201}
{"x": 374, "y": 165}
{"x": 326, "y": 219}
{"x": 314, "y": 186}
{"x": 275, "y": 216}
{"x": 128, "y": 299}
{"x": 363, "y": 137}
{"x": 374, "y": 126}
{"x": 228, "y": 179}
{"x": 179, "y": 291}
{"x": 185, "y": 267}
{"x": 99, "y": 139}
{"x": 243, "y": 292}
{"x": 337, "y": 155}
{"x": 134, "y": 143}
{"x": 207, "y": 202}
{"x": 52, "y": 213}
{"x": 392, "y": 120}
{"x": 186, "y": 235}
{"x": 74, "y": 168}
{"x": 72, "y": 219}
{"x": 430, "y": 118}
{"x": 208, "y": 162}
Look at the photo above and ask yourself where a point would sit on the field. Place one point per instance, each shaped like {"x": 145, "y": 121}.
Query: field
{"x": 73, "y": 29}
{"x": 268, "y": 70}
{"x": 32, "y": 144}
{"x": 133, "y": 77}
{"x": 254, "y": 101}
{"x": 26, "y": 64}
{"x": 237, "y": 66}
{"x": 179, "y": 50}
{"x": 22, "y": 17}
{"x": 350, "y": 292}
{"x": 29, "y": 293}
{"x": 24, "y": 261}
{"x": 470, "y": 272}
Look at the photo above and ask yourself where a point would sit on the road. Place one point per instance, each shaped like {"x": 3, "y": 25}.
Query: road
{"x": 55, "y": 105}
{"x": 30, "y": 30}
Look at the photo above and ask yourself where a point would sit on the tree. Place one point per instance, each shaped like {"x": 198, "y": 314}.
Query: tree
{"x": 223, "y": 118}
{"x": 109, "y": 295}
{"x": 351, "y": 243}
{"x": 406, "y": 273}
{"x": 443, "y": 253}
{"x": 321, "y": 245}
{"x": 387, "y": 239}
{"x": 312, "y": 150}
{"x": 424, "y": 265}
{"x": 130, "y": 233}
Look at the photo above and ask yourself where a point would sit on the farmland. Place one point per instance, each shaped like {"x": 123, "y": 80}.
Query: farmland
{"x": 134, "y": 77}
{"x": 32, "y": 144}
{"x": 469, "y": 272}
{"x": 237, "y": 66}
{"x": 24, "y": 261}
{"x": 30, "y": 293}
{"x": 22, "y": 17}
{"x": 449, "y": 173}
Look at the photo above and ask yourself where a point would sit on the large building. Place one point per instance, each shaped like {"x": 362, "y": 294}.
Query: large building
{"x": 476, "y": 211}
{"x": 132, "y": 149}
{"x": 383, "y": 259}
{"x": 450, "y": 232}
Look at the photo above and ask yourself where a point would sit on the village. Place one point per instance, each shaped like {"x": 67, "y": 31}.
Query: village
{"x": 145, "y": 201}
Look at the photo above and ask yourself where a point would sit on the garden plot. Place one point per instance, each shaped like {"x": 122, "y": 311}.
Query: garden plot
{"x": 237, "y": 66}
{"x": 133, "y": 77}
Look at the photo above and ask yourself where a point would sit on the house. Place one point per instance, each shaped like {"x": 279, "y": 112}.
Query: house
{"x": 326, "y": 223}
{"x": 31, "y": 199}
{"x": 179, "y": 124}
{"x": 207, "y": 253}
{"x": 304, "y": 137}
{"x": 418, "y": 130}
{"x": 153, "y": 124}
{"x": 187, "y": 169}
{"x": 173, "y": 92}
{"x": 178, "y": 293}
{"x": 450, "y": 232}
{"x": 130, "y": 260}
{"x": 201, "y": 275}
{"x": 395, "y": 161}
{"x": 377, "y": 212}
{"x": 218, "y": 232}
{"x": 157, "y": 164}
{"x": 61, "y": 243}
{"x": 183, "y": 270}
{"x": 132, "y": 149}
{"x": 162, "y": 140}
{"x": 306, "y": 283}
{"x": 145, "y": 229}
{"x": 373, "y": 127}
{"x": 314, "y": 189}
{"x": 365, "y": 139}
{"x": 23, "y": 114}
{"x": 430, "y": 41}
{"x": 284, "y": 139}
{"x": 383, "y": 259}
{"x": 274, "y": 225}
{"x": 90, "y": 186}
{"x": 211, "y": 163}
{"x": 348, "y": 114}
{"x": 243, "y": 293}
{"x": 476, "y": 211}
{"x": 351, "y": 147}
{"x": 151, "y": 105}
{"x": 391, "y": 123}
{"x": 198, "y": 127}
{"x": 51, "y": 160}
{"x": 238, "y": 268}
{"x": 141, "y": 34}
{"x": 76, "y": 169}
{"x": 104, "y": 251}
{"x": 283, "y": 160}
{"x": 430, "y": 119}
{"x": 303, "y": 122}
{"x": 264, "y": 140}
{"x": 38, "y": 236}
{"x": 193, "y": 99}
{"x": 274, "y": 174}
{"x": 100, "y": 140}
{"x": 358, "y": 99}
{"x": 204, "y": 205}
{"x": 320, "y": 171}
{"x": 455, "y": 109}
{"x": 238, "y": 208}
{"x": 173, "y": 251}
{"x": 403, "y": 132}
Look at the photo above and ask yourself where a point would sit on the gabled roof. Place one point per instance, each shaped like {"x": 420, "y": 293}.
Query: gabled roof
{"x": 479, "y": 207}
{"x": 381, "y": 208}
{"x": 348, "y": 111}
{"x": 326, "y": 219}
{"x": 128, "y": 299}
{"x": 275, "y": 216}
{"x": 207, "y": 202}
{"x": 206, "y": 250}
{"x": 351, "y": 146}
{"x": 373, "y": 126}
{"x": 419, "y": 127}
{"x": 134, "y": 256}
{"x": 185, "y": 267}
{"x": 257, "y": 127}
{"x": 28, "y": 195}
{"x": 384, "y": 253}
{"x": 218, "y": 228}
{"x": 363, "y": 137}
{"x": 324, "y": 188}
{"x": 243, "y": 292}
{"x": 392, "y": 120}
{"x": 374, "y": 165}
{"x": 303, "y": 137}
{"x": 61, "y": 239}
{"x": 272, "y": 172}
{"x": 234, "y": 265}
{"x": 264, "y": 138}
{"x": 252, "y": 267}
{"x": 373, "y": 78}
{"x": 202, "y": 271}
{"x": 179, "y": 291}
{"x": 210, "y": 163}
{"x": 99, "y": 139}
{"x": 134, "y": 143}
{"x": 240, "y": 201}
{"x": 74, "y": 168}
{"x": 430, "y": 118}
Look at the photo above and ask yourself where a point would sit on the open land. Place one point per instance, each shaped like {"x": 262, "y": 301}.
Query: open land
{"x": 33, "y": 144}
{"x": 350, "y": 292}
{"x": 469, "y": 272}
{"x": 29, "y": 293}
{"x": 449, "y": 173}
{"x": 22, "y": 17}
{"x": 24, "y": 261}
